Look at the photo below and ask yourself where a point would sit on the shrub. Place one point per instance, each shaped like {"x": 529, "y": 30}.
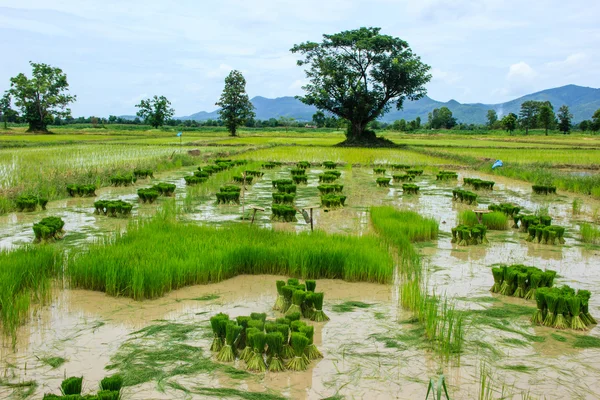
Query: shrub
{"x": 49, "y": 228}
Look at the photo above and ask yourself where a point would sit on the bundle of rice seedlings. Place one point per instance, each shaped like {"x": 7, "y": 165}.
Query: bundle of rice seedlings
{"x": 308, "y": 307}
{"x": 329, "y": 164}
{"x": 297, "y": 299}
{"x": 504, "y": 286}
{"x": 26, "y": 202}
{"x": 243, "y": 322}
{"x": 332, "y": 200}
{"x": 112, "y": 383}
{"x": 379, "y": 171}
{"x": 147, "y": 195}
{"x": 296, "y": 325}
{"x": 248, "y": 352}
{"x": 123, "y": 180}
{"x": 256, "y": 174}
{"x": 311, "y": 285}
{"x": 318, "y": 315}
{"x": 277, "y": 182}
{"x": 270, "y": 326}
{"x": 283, "y": 213}
{"x": 303, "y": 164}
{"x": 287, "y": 352}
{"x": 295, "y": 316}
{"x": 521, "y": 285}
{"x": 297, "y": 171}
{"x": 574, "y": 304}
{"x": 268, "y": 165}
{"x": 544, "y": 189}
{"x": 258, "y": 316}
{"x": 409, "y": 188}
{"x": 548, "y": 277}
{"x": 256, "y": 324}
{"x": 383, "y": 182}
{"x": 275, "y": 351}
{"x": 243, "y": 179}
{"x": 333, "y": 188}
{"x": 311, "y": 352}
{"x": 293, "y": 282}
{"x": 283, "y": 198}
{"x": 71, "y": 385}
{"x": 194, "y": 180}
{"x": 552, "y": 304}
{"x": 227, "y": 352}
{"x": 299, "y": 179}
{"x": 561, "y": 309}
{"x": 540, "y": 299}
{"x": 257, "y": 362}
{"x": 104, "y": 395}
{"x": 403, "y": 178}
{"x": 299, "y": 342}
{"x": 49, "y": 228}
{"x": 446, "y": 175}
{"x": 585, "y": 315}
{"x": 285, "y": 188}
{"x": 218, "y": 323}
{"x": 327, "y": 177}
{"x": 534, "y": 283}
{"x": 413, "y": 171}
{"x": 510, "y": 275}
{"x": 280, "y": 302}
{"x": 498, "y": 274}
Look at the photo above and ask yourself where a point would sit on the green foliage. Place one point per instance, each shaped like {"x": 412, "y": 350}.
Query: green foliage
{"x": 444, "y": 176}
{"x": 42, "y": 97}
{"x": 123, "y": 180}
{"x": 283, "y": 213}
{"x": 356, "y": 74}
{"x": 546, "y": 116}
{"x": 479, "y": 184}
{"x": 468, "y": 218}
{"x": 333, "y": 200}
{"x": 155, "y": 111}
{"x": 544, "y": 189}
{"x": 464, "y": 196}
{"x": 349, "y": 306}
{"x": 509, "y": 122}
{"x": 112, "y": 383}
{"x": 235, "y": 104}
{"x": 28, "y": 202}
{"x": 441, "y": 119}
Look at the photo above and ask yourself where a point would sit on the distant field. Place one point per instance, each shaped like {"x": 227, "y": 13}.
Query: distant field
{"x": 583, "y": 157}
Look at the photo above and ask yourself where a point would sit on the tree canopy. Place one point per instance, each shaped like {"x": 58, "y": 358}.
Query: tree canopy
{"x": 42, "y": 97}
{"x": 492, "y": 117}
{"x": 546, "y": 116}
{"x": 441, "y": 119}
{"x": 235, "y": 104}
{"x": 155, "y": 111}
{"x": 509, "y": 122}
{"x": 357, "y": 75}
{"x": 564, "y": 119}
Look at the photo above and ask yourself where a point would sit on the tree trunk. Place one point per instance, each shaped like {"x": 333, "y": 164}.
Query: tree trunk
{"x": 37, "y": 126}
{"x": 358, "y": 132}
{"x": 526, "y": 130}
{"x": 233, "y": 132}
{"x": 546, "y": 131}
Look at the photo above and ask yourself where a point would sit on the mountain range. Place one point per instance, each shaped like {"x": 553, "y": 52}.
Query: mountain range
{"x": 582, "y": 102}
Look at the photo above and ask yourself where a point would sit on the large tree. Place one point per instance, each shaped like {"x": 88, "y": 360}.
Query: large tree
{"x": 41, "y": 97}
{"x": 564, "y": 119}
{"x": 595, "y": 126}
{"x": 358, "y": 74}
{"x": 155, "y": 111}
{"x": 235, "y": 104}
{"x": 492, "y": 117}
{"x": 441, "y": 119}
{"x": 546, "y": 116}
{"x": 509, "y": 122}
{"x": 528, "y": 115}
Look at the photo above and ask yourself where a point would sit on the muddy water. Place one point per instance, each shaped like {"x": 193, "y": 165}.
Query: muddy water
{"x": 87, "y": 328}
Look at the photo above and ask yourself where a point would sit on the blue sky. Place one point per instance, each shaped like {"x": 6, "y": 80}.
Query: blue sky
{"x": 118, "y": 52}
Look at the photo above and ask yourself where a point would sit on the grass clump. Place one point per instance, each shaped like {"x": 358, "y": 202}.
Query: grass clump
{"x": 71, "y": 385}
{"x": 133, "y": 265}
{"x": 391, "y": 222}
{"x": 49, "y": 228}
{"x": 496, "y": 221}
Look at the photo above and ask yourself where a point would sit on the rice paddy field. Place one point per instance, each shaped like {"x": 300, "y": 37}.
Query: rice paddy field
{"x": 437, "y": 283}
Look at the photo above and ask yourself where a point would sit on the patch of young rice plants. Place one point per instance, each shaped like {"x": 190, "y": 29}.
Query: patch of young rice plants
{"x": 497, "y": 221}
{"x": 161, "y": 255}
{"x": 589, "y": 233}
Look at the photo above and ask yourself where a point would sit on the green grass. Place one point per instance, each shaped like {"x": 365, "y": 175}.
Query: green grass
{"x": 160, "y": 255}
{"x": 495, "y": 221}
{"x": 25, "y": 280}
{"x": 467, "y": 217}
{"x": 349, "y": 306}
{"x": 589, "y": 233}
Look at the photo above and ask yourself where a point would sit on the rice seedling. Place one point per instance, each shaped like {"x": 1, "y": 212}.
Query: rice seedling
{"x": 143, "y": 173}
{"x": 464, "y": 235}
{"x": 49, "y": 228}
{"x": 112, "y": 383}
{"x": 218, "y": 324}
{"x": 383, "y": 182}
{"x": 229, "y": 194}
{"x": 333, "y": 200}
{"x": 545, "y": 234}
{"x": 71, "y": 386}
{"x": 149, "y": 195}
{"x": 509, "y": 209}
{"x": 297, "y": 171}
{"x": 194, "y": 180}
{"x": 256, "y": 174}
{"x": 283, "y": 213}
{"x": 81, "y": 190}
{"x": 562, "y": 308}
{"x": 464, "y": 196}
{"x": 29, "y": 202}
{"x": 280, "y": 302}
{"x": 544, "y": 189}
{"x": 113, "y": 208}
{"x": 414, "y": 171}
{"x": 232, "y": 332}
{"x": 328, "y": 177}
{"x": 247, "y": 180}
{"x": 311, "y": 352}
{"x": 256, "y": 362}
{"x": 403, "y": 178}
{"x": 479, "y": 184}
{"x": 286, "y": 188}
{"x": 589, "y": 233}
{"x": 495, "y": 221}
{"x": 576, "y": 206}
{"x": 277, "y": 182}
{"x": 318, "y": 315}
{"x": 329, "y": 165}
{"x": 446, "y": 176}
{"x": 326, "y": 189}
{"x": 299, "y": 343}
{"x": 303, "y": 165}
{"x": 123, "y": 180}
{"x": 392, "y": 223}
{"x": 106, "y": 395}
{"x": 269, "y": 165}
{"x": 165, "y": 189}
{"x": 400, "y": 166}
{"x": 467, "y": 217}
{"x": 275, "y": 342}
{"x": 379, "y": 171}
{"x": 297, "y": 299}
{"x": 298, "y": 179}
{"x": 520, "y": 280}
{"x": 409, "y": 188}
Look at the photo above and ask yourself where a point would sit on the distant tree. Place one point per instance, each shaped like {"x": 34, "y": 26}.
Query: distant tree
{"x": 596, "y": 121}
{"x": 318, "y": 119}
{"x": 564, "y": 119}
{"x": 357, "y": 74}
{"x": 509, "y": 122}
{"x": 155, "y": 111}
{"x": 585, "y": 125}
{"x": 286, "y": 122}
{"x": 442, "y": 119}
{"x": 416, "y": 123}
{"x": 528, "y": 116}
{"x": 375, "y": 125}
{"x": 112, "y": 119}
{"x": 5, "y": 109}
{"x": 235, "y": 104}
{"x": 492, "y": 117}
{"x": 42, "y": 97}
{"x": 399, "y": 125}
{"x": 546, "y": 116}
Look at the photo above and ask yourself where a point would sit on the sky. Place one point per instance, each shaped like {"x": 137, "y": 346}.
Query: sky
{"x": 116, "y": 53}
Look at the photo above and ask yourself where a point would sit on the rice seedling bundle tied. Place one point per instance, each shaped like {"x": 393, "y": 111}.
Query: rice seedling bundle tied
{"x": 110, "y": 389}
{"x": 270, "y": 165}
{"x": 283, "y": 198}
{"x": 283, "y": 213}
{"x": 71, "y": 385}
{"x": 298, "y": 179}
{"x": 479, "y": 184}
{"x": 328, "y": 177}
{"x": 544, "y": 189}
{"x": 332, "y": 188}
{"x": 544, "y": 234}
{"x": 307, "y": 303}
{"x": 148, "y": 195}
{"x": 464, "y": 196}
{"x": 446, "y": 176}
{"x": 530, "y": 220}
{"x": 257, "y": 174}
{"x": 165, "y": 189}
{"x": 329, "y": 165}
{"x": 277, "y": 182}
{"x": 410, "y": 188}
{"x": 123, "y": 180}
{"x": 563, "y": 308}
{"x": 29, "y": 202}
{"x": 383, "y": 182}
{"x": 194, "y": 180}
{"x": 520, "y": 280}
{"x": 303, "y": 164}
{"x": 243, "y": 179}
{"x": 416, "y": 172}
{"x": 464, "y": 235}
{"x": 379, "y": 171}
{"x": 143, "y": 173}
{"x": 333, "y": 200}
{"x": 228, "y": 194}
{"x": 113, "y": 208}
{"x": 397, "y": 167}
{"x": 507, "y": 208}
{"x": 49, "y": 228}
{"x": 298, "y": 171}
{"x": 286, "y": 188}
{"x": 403, "y": 178}
{"x": 81, "y": 190}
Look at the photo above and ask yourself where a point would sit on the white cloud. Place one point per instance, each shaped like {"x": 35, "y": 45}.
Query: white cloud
{"x": 446, "y": 77}
{"x": 576, "y": 60}
{"x": 520, "y": 71}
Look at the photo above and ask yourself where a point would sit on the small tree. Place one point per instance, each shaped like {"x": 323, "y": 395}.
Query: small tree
{"x": 155, "y": 111}
{"x": 492, "y": 117}
{"x": 5, "y": 109}
{"x": 318, "y": 119}
{"x": 585, "y": 125}
{"x": 509, "y": 123}
{"x": 42, "y": 97}
{"x": 546, "y": 116}
{"x": 358, "y": 74}
{"x": 235, "y": 104}
{"x": 442, "y": 119}
{"x": 564, "y": 119}
{"x": 528, "y": 115}
{"x": 286, "y": 122}
{"x": 596, "y": 121}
